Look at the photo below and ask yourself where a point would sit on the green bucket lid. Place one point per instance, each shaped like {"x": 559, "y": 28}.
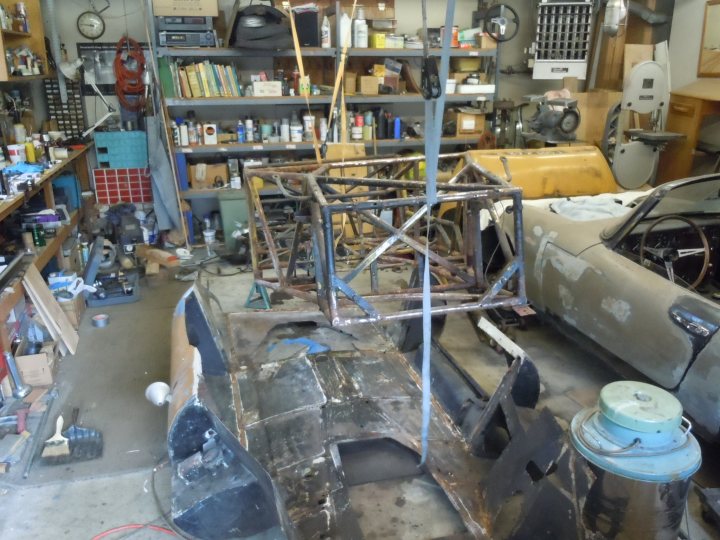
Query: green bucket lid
{"x": 641, "y": 407}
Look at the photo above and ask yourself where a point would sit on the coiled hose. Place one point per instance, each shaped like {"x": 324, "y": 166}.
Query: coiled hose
{"x": 129, "y": 86}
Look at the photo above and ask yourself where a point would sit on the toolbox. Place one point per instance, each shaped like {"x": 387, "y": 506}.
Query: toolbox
{"x": 114, "y": 288}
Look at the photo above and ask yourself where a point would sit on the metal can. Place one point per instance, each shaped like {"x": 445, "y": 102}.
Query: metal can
{"x": 454, "y": 39}
{"x": 637, "y": 444}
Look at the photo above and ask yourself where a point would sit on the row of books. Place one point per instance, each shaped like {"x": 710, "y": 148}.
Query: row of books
{"x": 202, "y": 79}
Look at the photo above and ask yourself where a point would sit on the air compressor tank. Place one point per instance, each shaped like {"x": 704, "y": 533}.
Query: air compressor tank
{"x": 643, "y": 455}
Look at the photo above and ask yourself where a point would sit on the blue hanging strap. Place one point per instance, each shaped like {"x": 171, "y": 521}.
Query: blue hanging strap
{"x": 434, "y": 110}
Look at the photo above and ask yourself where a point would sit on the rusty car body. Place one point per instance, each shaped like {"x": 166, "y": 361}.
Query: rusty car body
{"x": 638, "y": 274}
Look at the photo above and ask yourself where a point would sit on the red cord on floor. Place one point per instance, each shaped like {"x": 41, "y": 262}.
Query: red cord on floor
{"x": 133, "y": 526}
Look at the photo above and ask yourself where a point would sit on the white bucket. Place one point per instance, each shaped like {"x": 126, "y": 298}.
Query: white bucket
{"x": 209, "y": 236}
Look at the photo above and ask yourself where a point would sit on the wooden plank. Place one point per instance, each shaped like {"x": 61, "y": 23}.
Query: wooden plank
{"x": 45, "y": 301}
{"x": 635, "y": 54}
{"x": 593, "y": 107}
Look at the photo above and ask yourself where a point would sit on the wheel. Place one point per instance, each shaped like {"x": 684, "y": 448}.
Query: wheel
{"x": 669, "y": 255}
{"x": 501, "y": 22}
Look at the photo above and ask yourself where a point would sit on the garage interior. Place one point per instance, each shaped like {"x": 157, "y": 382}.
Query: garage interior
{"x": 325, "y": 270}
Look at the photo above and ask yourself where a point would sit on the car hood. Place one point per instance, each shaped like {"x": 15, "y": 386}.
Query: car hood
{"x": 543, "y": 225}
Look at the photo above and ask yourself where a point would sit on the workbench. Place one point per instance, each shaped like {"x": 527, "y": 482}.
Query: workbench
{"x": 13, "y": 292}
{"x": 688, "y": 106}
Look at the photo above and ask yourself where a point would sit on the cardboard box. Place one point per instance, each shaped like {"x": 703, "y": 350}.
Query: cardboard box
{"x": 377, "y": 40}
{"x": 369, "y": 85}
{"x": 267, "y": 88}
{"x": 468, "y": 120}
{"x": 484, "y": 41}
{"x": 37, "y": 369}
{"x": 381, "y": 10}
{"x": 350, "y": 83}
{"x": 74, "y": 309}
{"x": 169, "y": 8}
{"x": 203, "y": 175}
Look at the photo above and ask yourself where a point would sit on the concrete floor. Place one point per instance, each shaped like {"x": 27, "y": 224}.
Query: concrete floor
{"x": 107, "y": 378}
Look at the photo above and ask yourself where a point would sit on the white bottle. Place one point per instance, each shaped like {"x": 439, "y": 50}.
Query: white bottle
{"x": 193, "y": 135}
{"x": 325, "y": 33}
{"x": 360, "y": 30}
{"x": 345, "y": 30}
{"x": 184, "y": 139}
{"x": 285, "y": 130}
{"x": 249, "y": 130}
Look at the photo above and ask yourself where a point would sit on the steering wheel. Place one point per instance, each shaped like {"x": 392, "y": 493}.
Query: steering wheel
{"x": 669, "y": 255}
{"x": 497, "y": 20}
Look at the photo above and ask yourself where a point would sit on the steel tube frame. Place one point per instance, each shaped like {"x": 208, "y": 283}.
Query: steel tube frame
{"x": 331, "y": 211}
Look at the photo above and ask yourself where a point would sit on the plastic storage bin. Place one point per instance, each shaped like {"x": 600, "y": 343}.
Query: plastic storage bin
{"x": 70, "y": 187}
{"x": 121, "y": 149}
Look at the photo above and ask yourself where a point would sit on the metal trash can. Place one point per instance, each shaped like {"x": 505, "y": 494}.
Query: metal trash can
{"x": 643, "y": 455}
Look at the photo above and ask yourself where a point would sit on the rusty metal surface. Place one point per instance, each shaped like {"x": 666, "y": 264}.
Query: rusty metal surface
{"x": 294, "y": 408}
{"x": 323, "y": 229}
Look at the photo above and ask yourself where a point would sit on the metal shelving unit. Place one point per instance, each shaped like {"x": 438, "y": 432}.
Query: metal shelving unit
{"x": 299, "y": 101}
{"x": 259, "y": 148}
{"x": 236, "y": 107}
{"x": 224, "y": 52}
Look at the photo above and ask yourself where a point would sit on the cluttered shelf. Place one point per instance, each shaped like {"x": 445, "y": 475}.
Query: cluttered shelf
{"x": 225, "y": 52}
{"x": 317, "y": 100}
{"x": 8, "y": 206}
{"x": 47, "y": 252}
{"x": 410, "y": 53}
{"x": 21, "y": 78}
{"x": 15, "y": 33}
{"x": 14, "y": 290}
{"x": 256, "y": 100}
{"x": 232, "y": 148}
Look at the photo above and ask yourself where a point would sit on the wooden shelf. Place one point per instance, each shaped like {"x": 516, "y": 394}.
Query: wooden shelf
{"x": 20, "y": 78}
{"x": 47, "y": 252}
{"x": 15, "y": 33}
{"x": 249, "y": 148}
{"x": 33, "y": 40}
{"x": 8, "y": 206}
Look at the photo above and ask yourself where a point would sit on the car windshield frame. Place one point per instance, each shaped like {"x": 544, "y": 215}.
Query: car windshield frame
{"x": 659, "y": 202}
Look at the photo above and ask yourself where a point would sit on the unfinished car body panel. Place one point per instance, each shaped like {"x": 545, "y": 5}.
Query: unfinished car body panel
{"x": 624, "y": 281}
{"x": 304, "y": 408}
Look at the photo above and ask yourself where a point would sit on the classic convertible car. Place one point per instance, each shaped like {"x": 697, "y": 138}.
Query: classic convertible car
{"x": 637, "y": 273}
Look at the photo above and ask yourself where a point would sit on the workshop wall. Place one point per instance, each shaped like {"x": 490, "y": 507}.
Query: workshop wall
{"x": 129, "y": 16}
{"x": 126, "y": 16}
{"x": 685, "y": 41}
